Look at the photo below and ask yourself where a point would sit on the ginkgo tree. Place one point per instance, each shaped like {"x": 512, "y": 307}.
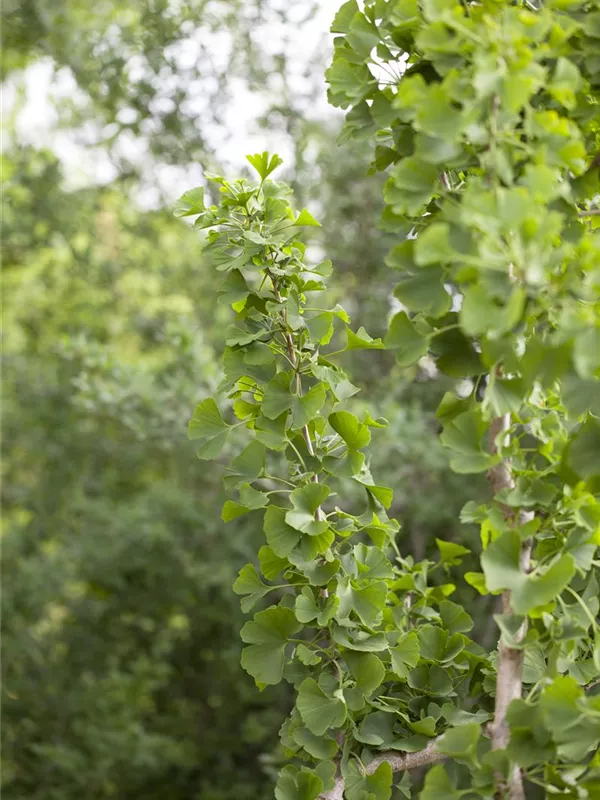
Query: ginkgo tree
{"x": 486, "y": 117}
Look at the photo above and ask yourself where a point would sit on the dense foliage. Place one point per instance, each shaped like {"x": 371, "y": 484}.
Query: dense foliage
{"x": 120, "y": 655}
{"x": 121, "y": 648}
{"x": 485, "y": 116}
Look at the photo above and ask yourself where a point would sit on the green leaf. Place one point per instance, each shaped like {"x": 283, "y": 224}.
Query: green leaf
{"x": 247, "y": 467}
{"x": 307, "y": 656}
{"x": 501, "y": 562}
{"x": 402, "y": 257}
{"x": 424, "y": 291}
{"x": 565, "y": 83}
{"x": 359, "y": 786}
{"x": 280, "y": 536}
{"x": 440, "y": 681}
{"x": 326, "y": 770}
{"x": 454, "y": 618}
{"x": 190, "y": 203}
{"x": 405, "y": 785}
{"x": 460, "y": 742}
{"x": 583, "y": 453}
{"x": 234, "y": 288}
{"x": 338, "y": 383}
{"x": 501, "y": 565}
{"x": 463, "y": 435}
{"x": 367, "y": 602}
{"x": 208, "y": 427}
{"x": 586, "y": 353}
{"x": 356, "y": 639}
{"x": 306, "y": 500}
{"x": 580, "y": 396}
{"x": 367, "y": 669}
{"x": 455, "y": 354}
{"x": 377, "y": 729}
{"x": 411, "y": 185}
{"x": 505, "y": 396}
{"x": 306, "y": 408}
{"x": 348, "y": 83}
{"x": 321, "y": 747}
{"x": 405, "y": 655}
{"x": 362, "y": 341}
{"x": 438, "y": 117}
{"x": 264, "y": 164}
{"x": 563, "y": 710}
{"x": 530, "y": 742}
{"x": 309, "y": 609}
{"x": 438, "y": 786}
{"x": 371, "y": 562}
{"x": 306, "y": 219}
{"x": 271, "y": 564}
{"x": 344, "y": 16}
{"x": 252, "y": 498}
{"x": 268, "y": 634}
{"x": 248, "y": 582}
{"x": 298, "y": 784}
{"x": 318, "y": 711}
{"x": 354, "y": 433}
{"x": 477, "y": 581}
{"x": 481, "y": 314}
{"x": 451, "y": 553}
{"x": 232, "y": 510}
{"x": 279, "y": 398}
{"x": 383, "y": 494}
{"x": 319, "y": 571}
{"x": 433, "y": 245}
{"x": 404, "y": 338}
{"x": 456, "y": 716}
{"x": 271, "y": 432}
{"x": 320, "y": 327}
{"x": 432, "y": 642}
{"x": 541, "y": 588}
{"x": 363, "y": 35}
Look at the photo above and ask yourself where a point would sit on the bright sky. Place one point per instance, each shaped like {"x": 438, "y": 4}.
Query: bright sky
{"x": 36, "y": 121}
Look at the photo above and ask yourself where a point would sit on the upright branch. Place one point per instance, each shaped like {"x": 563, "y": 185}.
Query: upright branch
{"x": 340, "y": 626}
{"x": 509, "y": 667}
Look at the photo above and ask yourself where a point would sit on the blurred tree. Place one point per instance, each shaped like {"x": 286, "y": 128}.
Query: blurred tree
{"x": 155, "y": 81}
{"x": 121, "y": 668}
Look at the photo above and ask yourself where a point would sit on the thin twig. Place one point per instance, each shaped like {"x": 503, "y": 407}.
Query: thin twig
{"x": 591, "y": 212}
{"x": 509, "y": 671}
{"x": 445, "y": 182}
{"x": 294, "y": 362}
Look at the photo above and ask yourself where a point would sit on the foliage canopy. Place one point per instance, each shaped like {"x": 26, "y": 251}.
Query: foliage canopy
{"x": 485, "y": 119}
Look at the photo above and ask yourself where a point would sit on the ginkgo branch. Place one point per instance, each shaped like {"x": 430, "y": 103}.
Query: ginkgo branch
{"x": 399, "y": 762}
{"x": 509, "y": 670}
{"x": 294, "y": 362}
